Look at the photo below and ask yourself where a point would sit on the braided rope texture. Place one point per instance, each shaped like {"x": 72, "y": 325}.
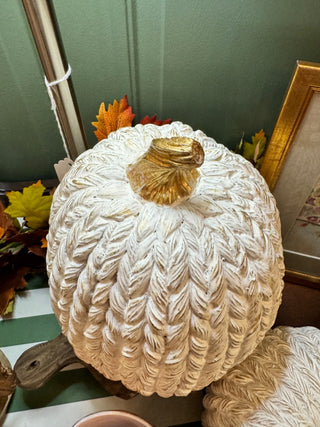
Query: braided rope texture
{"x": 164, "y": 298}
{"x": 278, "y": 385}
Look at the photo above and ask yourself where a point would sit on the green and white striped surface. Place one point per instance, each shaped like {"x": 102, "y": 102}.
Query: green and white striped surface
{"x": 72, "y": 393}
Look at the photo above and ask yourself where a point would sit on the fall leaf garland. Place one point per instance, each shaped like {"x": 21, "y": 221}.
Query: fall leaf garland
{"x": 7, "y": 227}
{"x": 22, "y": 247}
{"x": 253, "y": 151}
{"x": 31, "y": 205}
{"x": 153, "y": 120}
{"x": 119, "y": 115}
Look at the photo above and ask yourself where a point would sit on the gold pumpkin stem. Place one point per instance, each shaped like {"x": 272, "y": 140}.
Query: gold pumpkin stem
{"x": 167, "y": 173}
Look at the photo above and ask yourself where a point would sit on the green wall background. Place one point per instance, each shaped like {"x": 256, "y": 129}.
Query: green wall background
{"x": 219, "y": 65}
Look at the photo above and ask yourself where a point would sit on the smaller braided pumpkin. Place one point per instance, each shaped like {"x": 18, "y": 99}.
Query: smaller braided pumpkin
{"x": 164, "y": 258}
{"x": 277, "y": 385}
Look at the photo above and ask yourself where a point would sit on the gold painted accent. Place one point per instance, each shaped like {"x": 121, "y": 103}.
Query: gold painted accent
{"x": 166, "y": 173}
{"x": 305, "y": 82}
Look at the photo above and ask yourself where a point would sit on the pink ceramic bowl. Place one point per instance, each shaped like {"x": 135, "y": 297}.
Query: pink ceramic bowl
{"x": 112, "y": 419}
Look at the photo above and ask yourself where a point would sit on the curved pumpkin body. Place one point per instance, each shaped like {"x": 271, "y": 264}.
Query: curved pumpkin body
{"x": 277, "y": 385}
{"x": 165, "y": 298}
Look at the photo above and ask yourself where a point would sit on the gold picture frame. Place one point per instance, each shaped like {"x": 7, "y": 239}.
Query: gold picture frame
{"x": 291, "y": 168}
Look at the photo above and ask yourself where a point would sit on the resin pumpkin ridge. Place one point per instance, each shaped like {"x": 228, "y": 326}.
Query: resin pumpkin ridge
{"x": 164, "y": 298}
{"x": 277, "y": 385}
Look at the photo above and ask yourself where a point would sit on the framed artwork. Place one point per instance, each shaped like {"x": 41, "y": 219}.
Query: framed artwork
{"x": 292, "y": 170}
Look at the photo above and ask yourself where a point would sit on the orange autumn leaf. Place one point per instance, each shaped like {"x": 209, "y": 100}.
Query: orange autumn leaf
{"x": 117, "y": 116}
{"x": 7, "y": 227}
{"x": 11, "y": 280}
{"x": 5, "y": 297}
{"x": 153, "y": 120}
{"x": 44, "y": 242}
{"x": 34, "y": 241}
{"x": 259, "y": 135}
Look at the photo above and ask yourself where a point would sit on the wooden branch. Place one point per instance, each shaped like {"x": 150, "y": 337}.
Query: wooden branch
{"x": 7, "y": 385}
{"x": 39, "y": 363}
{"x": 7, "y": 377}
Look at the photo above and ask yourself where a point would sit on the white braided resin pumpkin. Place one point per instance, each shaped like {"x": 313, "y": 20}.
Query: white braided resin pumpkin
{"x": 165, "y": 298}
{"x": 277, "y": 385}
